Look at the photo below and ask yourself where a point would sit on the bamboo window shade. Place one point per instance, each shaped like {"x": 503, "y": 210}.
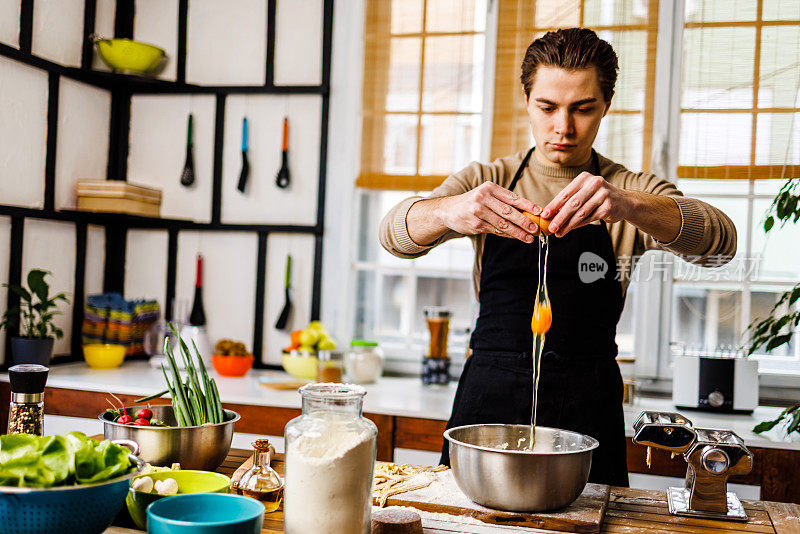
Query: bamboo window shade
{"x": 422, "y": 92}
{"x": 739, "y": 90}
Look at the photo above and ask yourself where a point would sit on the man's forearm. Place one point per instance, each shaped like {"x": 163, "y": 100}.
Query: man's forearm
{"x": 655, "y": 215}
{"x": 423, "y": 221}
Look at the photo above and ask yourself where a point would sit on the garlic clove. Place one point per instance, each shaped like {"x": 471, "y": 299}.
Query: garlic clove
{"x": 144, "y": 484}
{"x": 168, "y": 486}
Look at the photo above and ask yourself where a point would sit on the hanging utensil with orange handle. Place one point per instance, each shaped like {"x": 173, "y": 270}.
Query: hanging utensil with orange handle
{"x": 282, "y": 180}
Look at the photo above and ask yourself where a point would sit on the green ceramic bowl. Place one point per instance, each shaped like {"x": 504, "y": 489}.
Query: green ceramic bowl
{"x": 188, "y": 482}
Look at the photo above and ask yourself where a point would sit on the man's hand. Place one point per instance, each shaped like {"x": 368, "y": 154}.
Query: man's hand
{"x": 586, "y": 199}
{"x": 590, "y": 198}
{"x": 488, "y": 208}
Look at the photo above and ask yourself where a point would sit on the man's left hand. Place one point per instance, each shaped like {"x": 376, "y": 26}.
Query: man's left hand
{"x": 586, "y": 199}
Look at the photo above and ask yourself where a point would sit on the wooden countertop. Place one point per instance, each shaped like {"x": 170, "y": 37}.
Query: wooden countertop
{"x": 629, "y": 511}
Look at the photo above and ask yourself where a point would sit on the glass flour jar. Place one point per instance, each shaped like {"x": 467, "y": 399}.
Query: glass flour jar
{"x": 330, "y": 457}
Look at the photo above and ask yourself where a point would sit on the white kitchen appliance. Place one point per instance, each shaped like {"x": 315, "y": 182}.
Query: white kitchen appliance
{"x": 724, "y": 383}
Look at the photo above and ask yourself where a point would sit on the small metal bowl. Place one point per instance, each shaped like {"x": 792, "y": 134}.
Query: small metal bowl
{"x": 194, "y": 447}
{"x": 492, "y": 470}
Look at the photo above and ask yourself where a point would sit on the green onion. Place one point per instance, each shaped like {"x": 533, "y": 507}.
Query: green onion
{"x": 195, "y": 398}
{"x": 151, "y": 397}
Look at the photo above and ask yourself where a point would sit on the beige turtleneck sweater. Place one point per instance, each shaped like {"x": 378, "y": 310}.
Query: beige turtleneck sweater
{"x": 707, "y": 236}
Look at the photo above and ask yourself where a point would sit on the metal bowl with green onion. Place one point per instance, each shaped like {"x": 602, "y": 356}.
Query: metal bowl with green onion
{"x": 202, "y": 447}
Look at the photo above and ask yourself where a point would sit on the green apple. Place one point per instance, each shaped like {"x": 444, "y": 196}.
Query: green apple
{"x": 326, "y": 343}
{"x": 309, "y": 338}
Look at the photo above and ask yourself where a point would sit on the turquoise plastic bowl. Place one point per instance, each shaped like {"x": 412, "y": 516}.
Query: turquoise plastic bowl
{"x": 205, "y": 513}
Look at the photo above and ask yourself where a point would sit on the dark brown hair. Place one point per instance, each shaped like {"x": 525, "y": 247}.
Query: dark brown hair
{"x": 572, "y": 49}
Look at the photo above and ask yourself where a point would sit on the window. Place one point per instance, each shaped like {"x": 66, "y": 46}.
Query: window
{"x": 423, "y": 91}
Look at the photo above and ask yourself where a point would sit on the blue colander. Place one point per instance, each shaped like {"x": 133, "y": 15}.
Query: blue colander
{"x": 86, "y": 509}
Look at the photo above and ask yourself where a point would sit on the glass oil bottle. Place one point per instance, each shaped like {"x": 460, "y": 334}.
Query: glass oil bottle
{"x": 261, "y": 482}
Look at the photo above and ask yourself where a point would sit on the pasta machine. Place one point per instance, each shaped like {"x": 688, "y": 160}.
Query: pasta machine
{"x": 712, "y": 456}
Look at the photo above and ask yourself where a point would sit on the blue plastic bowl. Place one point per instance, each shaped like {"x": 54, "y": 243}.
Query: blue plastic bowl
{"x": 205, "y": 513}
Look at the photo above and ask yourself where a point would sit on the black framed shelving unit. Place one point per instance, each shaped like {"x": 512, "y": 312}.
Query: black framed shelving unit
{"x": 122, "y": 87}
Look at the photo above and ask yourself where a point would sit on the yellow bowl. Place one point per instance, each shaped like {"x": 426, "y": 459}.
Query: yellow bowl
{"x": 300, "y": 365}
{"x": 107, "y": 356}
{"x": 127, "y": 55}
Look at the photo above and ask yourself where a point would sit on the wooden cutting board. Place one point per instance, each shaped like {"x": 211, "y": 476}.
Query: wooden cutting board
{"x": 240, "y": 471}
{"x": 443, "y": 496}
{"x": 585, "y": 515}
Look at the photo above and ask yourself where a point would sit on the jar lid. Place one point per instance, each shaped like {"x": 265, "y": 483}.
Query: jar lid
{"x": 28, "y": 378}
{"x": 363, "y": 343}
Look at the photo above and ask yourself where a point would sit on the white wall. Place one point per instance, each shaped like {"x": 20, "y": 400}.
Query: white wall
{"x": 156, "y": 22}
{"x": 226, "y": 42}
{"x": 344, "y": 150}
{"x": 50, "y": 246}
{"x": 82, "y": 142}
{"x": 5, "y": 243}
{"x": 23, "y": 134}
{"x": 9, "y": 22}
{"x": 298, "y": 43}
{"x": 58, "y": 31}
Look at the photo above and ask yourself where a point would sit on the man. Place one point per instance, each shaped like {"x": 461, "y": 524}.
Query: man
{"x": 600, "y": 213}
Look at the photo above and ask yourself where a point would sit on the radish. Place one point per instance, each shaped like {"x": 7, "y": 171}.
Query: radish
{"x": 145, "y": 413}
{"x": 124, "y": 419}
{"x": 141, "y": 422}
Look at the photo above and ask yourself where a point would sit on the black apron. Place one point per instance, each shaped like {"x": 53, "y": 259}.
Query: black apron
{"x": 580, "y": 386}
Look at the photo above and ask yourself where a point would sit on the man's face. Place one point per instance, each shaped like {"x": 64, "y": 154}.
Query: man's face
{"x": 565, "y": 108}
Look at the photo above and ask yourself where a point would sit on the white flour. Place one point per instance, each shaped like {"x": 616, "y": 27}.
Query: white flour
{"x": 328, "y": 488}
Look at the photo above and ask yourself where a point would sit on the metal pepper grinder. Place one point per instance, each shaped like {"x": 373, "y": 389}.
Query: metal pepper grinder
{"x": 26, "y": 411}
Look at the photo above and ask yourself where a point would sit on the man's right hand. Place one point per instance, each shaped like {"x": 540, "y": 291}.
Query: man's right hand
{"x": 488, "y": 208}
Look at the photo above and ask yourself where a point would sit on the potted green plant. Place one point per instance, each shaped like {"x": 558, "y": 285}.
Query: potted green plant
{"x": 780, "y": 326}
{"x": 30, "y": 324}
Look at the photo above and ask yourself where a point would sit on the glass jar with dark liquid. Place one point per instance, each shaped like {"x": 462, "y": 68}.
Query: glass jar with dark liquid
{"x": 261, "y": 482}
{"x": 436, "y": 364}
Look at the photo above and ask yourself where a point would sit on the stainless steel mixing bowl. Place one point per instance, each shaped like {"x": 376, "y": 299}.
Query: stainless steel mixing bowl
{"x": 490, "y": 468}
{"x": 194, "y": 447}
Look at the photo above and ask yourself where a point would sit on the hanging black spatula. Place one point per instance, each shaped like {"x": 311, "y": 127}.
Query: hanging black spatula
{"x": 187, "y": 176}
{"x": 280, "y": 324}
{"x": 282, "y": 180}
{"x": 245, "y": 164}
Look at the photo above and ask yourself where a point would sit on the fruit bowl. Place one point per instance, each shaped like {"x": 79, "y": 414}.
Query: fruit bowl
{"x": 232, "y": 365}
{"x": 300, "y": 364}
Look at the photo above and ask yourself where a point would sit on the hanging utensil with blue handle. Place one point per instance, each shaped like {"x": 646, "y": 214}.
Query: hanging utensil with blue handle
{"x": 245, "y": 164}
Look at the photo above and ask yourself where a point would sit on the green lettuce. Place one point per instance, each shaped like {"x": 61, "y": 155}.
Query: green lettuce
{"x": 47, "y": 461}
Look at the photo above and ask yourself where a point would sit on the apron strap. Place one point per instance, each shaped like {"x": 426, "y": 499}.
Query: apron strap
{"x": 595, "y": 167}
{"x": 520, "y": 169}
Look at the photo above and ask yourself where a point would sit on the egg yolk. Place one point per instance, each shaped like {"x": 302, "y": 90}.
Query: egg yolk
{"x": 541, "y": 320}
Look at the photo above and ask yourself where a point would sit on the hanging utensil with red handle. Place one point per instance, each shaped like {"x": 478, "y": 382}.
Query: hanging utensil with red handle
{"x": 282, "y": 180}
